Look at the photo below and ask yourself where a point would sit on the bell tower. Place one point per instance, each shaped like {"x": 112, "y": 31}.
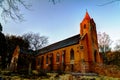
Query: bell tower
{"x": 88, "y": 30}
{"x": 85, "y": 24}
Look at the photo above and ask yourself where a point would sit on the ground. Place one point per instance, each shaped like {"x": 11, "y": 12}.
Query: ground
{"x": 5, "y": 75}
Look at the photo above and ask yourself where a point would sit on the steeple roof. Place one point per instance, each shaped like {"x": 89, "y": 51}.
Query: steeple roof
{"x": 87, "y": 16}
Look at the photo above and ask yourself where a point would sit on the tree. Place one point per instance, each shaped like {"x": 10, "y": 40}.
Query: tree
{"x": 12, "y": 42}
{"x": 104, "y": 42}
{"x": 54, "y": 1}
{"x": 109, "y": 2}
{"x": 35, "y": 40}
{"x": 2, "y": 48}
{"x": 117, "y": 46}
{"x": 11, "y": 9}
{"x": 0, "y": 27}
{"x": 26, "y": 61}
{"x": 113, "y": 58}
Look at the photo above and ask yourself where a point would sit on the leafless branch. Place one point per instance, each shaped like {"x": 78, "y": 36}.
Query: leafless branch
{"x": 11, "y": 9}
{"x": 109, "y": 2}
{"x": 35, "y": 40}
{"x": 54, "y": 1}
{"x": 104, "y": 42}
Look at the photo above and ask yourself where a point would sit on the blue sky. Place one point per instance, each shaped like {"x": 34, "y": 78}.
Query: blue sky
{"x": 62, "y": 20}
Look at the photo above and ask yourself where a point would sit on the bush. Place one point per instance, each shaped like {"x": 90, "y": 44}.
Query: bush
{"x": 60, "y": 72}
{"x": 23, "y": 71}
{"x": 7, "y": 73}
{"x": 35, "y": 72}
{"x": 42, "y": 73}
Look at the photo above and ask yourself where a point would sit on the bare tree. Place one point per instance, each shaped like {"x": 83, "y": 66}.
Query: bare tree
{"x": 11, "y": 9}
{"x": 104, "y": 42}
{"x": 117, "y": 45}
{"x": 0, "y": 27}
{"x": 54, "y": 1}
{"x": 108, "y": 2}
{"x": 35, "y": 40}
{"x": 3, "y": 47}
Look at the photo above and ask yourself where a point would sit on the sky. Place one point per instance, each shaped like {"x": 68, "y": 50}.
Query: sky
{"x": 62, "y": 20}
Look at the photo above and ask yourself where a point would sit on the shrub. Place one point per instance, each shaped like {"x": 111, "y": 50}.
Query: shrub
{"x": 42, "y": 73}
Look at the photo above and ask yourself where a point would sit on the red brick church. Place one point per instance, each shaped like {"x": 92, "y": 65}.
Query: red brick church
{"x": 74, "y": 53}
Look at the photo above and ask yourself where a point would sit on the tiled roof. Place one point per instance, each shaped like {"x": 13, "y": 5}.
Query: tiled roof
{"x": 67, "y": 42}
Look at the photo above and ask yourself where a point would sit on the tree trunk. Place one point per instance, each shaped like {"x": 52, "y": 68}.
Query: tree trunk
{"x": 29, "y": 69}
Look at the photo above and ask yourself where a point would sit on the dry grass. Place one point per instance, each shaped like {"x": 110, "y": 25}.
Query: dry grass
{"x": 55, "y": 76}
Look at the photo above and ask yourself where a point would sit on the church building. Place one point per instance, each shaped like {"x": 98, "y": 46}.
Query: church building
{"x": 74, "y": 54}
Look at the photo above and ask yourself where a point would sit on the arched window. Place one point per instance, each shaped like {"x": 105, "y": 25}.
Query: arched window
{"x": 95, "y": 56}
{"x": 39, "y": 61}
{"x": 51, "y": 58}
{"x": 63, "y": 56}
{"x": 71, "y": 54}
{"x": 84, "y": 26}
{"x": 42, "y": 60}
{"x": 47, "y": 59}
{"x": 57, "y": 57}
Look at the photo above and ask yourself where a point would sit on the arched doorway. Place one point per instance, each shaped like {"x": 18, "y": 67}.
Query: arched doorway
{"x": 95, "y": 56}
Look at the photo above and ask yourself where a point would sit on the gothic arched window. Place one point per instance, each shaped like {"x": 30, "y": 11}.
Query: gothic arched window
{"x": 57, "y": 57}
{"x": 71, "y": 54}
{"x": 47, "y": 59}
{"x": 39, "y": 61}
{"x": 42, "y": 60}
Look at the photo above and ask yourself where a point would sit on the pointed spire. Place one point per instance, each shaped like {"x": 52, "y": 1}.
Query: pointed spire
{"x": 87, "y": 16}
